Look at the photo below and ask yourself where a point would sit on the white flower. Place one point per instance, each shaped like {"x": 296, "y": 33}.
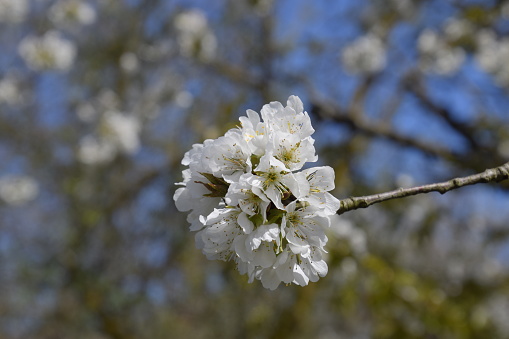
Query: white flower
{"x": 195, "y": 37}
{"x": 118, "y": 133}
{"x": 254, "y": 132}
{"x": 365, "y": 55}
{"x": 291, "y": 150}
{"x": 50, "y": 51}
{"x": 123, "y": 130}
{"x": 228, "y": 156}
{"x": 18, "y": 189}
{"x": 287, "y": 269}
{"x": 290, "y": 119}
{"x": 129, "y": 62}
{"x": 437, "y": 55}
{"x": 93, "y": 151}
{"x": 13, "y": 11}
{"x": 66, "y": 12}
{"x": 251, "y": 200}
{"x": 275, "y": 181}
{"x": 192, "y": 22}
{"x": 194, "y": 197}
{"x": 250, "y": 205}
{"x": 456, "y": 28}
{"x": 10, "y": 92}
{"x": 304, "y": 229}
{"x": 259, "y": 247}
{"x": 222, "y": 228}
{"x": 321, "y": 181}
{"x": 492, "y": 55}
{"x": 193, "y": 158}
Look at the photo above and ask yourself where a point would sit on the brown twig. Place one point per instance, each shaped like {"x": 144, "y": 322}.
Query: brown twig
{"x": 490, "y": 175}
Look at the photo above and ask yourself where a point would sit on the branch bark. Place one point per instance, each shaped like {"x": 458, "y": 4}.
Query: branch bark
{"x": 490, "y": 175}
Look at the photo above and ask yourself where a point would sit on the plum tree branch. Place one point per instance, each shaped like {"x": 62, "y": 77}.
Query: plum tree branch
{"x": 328, "y": 111}
{"x": 496, "y": 174}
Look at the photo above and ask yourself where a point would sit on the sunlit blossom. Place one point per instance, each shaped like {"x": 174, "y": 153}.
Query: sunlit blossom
{"x": 249, "y": 202}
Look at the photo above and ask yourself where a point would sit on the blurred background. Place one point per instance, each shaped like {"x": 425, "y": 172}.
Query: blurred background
{"x": 99, "y": 101}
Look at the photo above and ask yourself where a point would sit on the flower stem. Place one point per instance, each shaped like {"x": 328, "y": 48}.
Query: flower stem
{"x": 496, "y": 174}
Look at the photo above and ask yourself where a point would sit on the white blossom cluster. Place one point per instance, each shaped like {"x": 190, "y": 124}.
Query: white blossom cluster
{"x": 13, "y": 11}
{"x": 18, "y": 189}
{"x": 69, "y": 12}
{"x": 118, "y": 134}
{"x": 436, "y": 53}
{"x": 250, "y": 201}
{"x": 10, "y": 92}
{"x": 49, "y": 51}
{"x": 492, "y": 55}
{"x": 195, "y": 36}
{"x": 365, "y": 55}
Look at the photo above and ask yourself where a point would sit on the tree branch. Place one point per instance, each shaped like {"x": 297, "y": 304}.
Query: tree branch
{"x": 490, "y": 175}
{"x": 326, "y": 111}
{"x": 414, "y": 85}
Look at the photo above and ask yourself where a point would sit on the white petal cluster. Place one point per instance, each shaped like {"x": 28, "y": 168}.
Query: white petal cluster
{"x": 251, "y": 202}
{"x": 492, "y": 55}
{"x": 68, "y": 12}
{"x": 436, "y": 53}
{"x": 49, "y": 51}
{"x": 118, "y": 133}
{"x": 18, "y": 189}
{"x": 194, "y": 35}
{"x": 365, "y": 55}
{"x": 13, "y": 11}
{"x": 10, "y": 91}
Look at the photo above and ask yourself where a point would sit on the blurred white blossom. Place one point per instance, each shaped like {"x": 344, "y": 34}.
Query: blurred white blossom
{"x": 345, "y": 229}
{"x": 18, "y": 189}
{"x": 118, "y": 134}
{"x": 184, "y": 99}
{"x": 123, "y": 130}
{"x": 194, "y": 35}
{"x": 50, "y": 51}
{"x": 497, "y": 308}
{"x": 13, "y": 11}
{"x": 436, "y": 55}
{"x": 492, "y": 55}
{"x": 108, "y": 100}
{"x": 192, "y": 22}
{"x": 456, "y": 28}
{"x": 94, "y": 151}
{"x": 503, "y": 148}
{"x": 68, "y": 12}
{"x": 9, "y": 90}
{"x": 365, "y": 55}
{"x": 129, "y": 62}
{"x": 86, "y": 112}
